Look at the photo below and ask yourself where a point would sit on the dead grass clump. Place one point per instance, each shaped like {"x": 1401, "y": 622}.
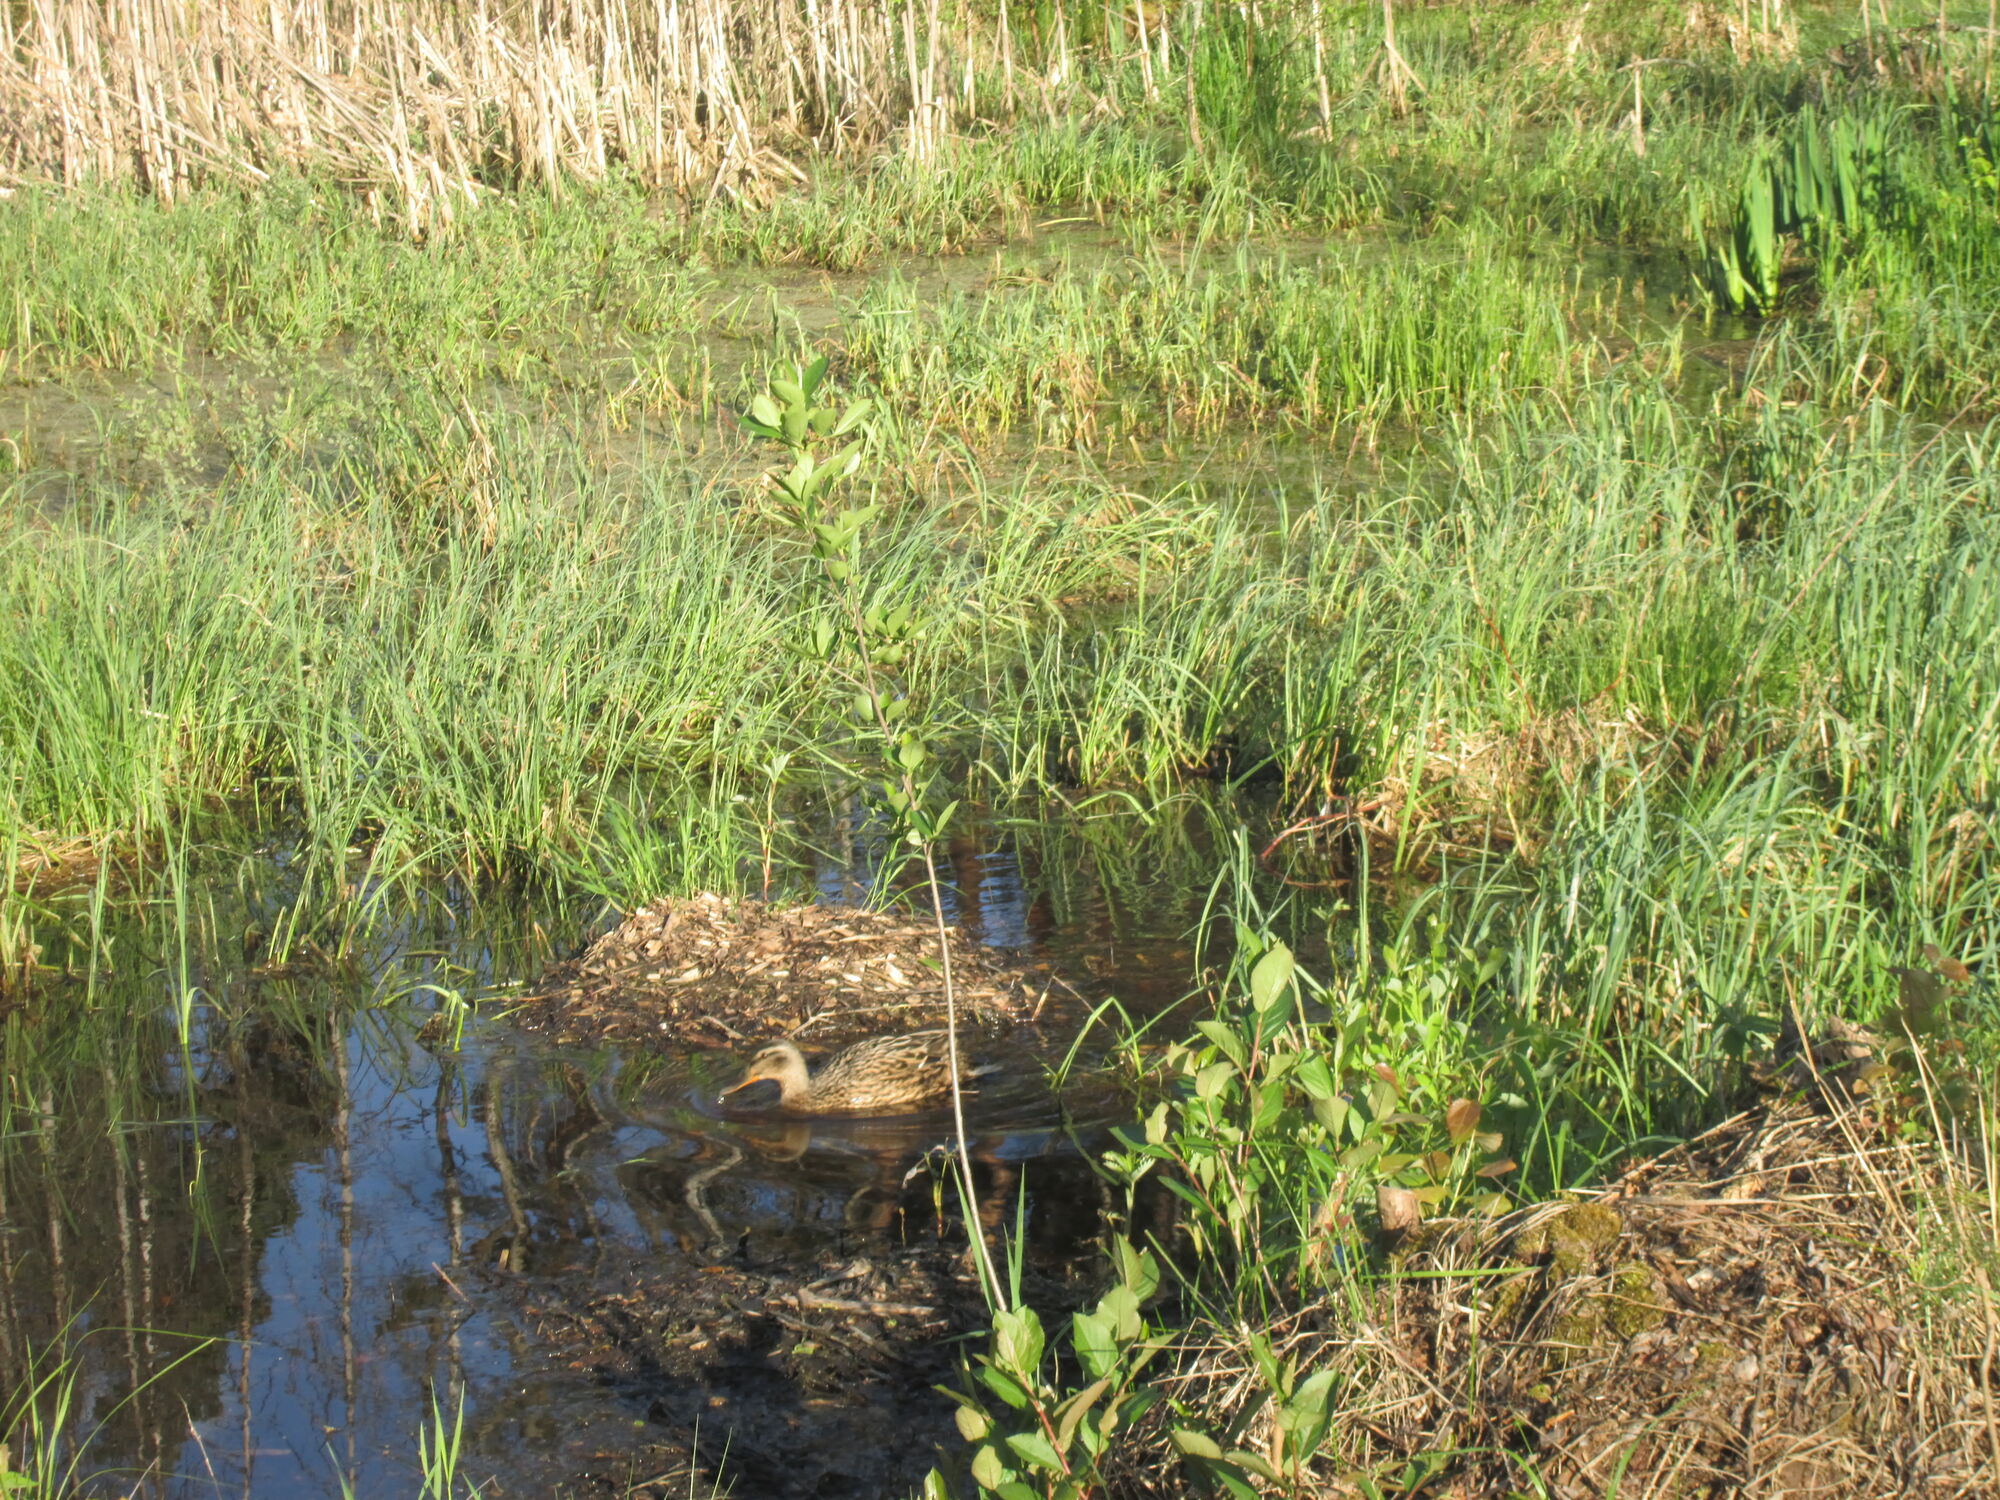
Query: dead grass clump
{"x": 712, "y": 969}
{"x": 45, "y": 862}
{"x": 1797, "y": 1304}
{"x": 1473, "y": 792}
{"x": 1763, "y": 32}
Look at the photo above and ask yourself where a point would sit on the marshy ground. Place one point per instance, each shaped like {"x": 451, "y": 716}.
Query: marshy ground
{"x": 1453, "y": 572}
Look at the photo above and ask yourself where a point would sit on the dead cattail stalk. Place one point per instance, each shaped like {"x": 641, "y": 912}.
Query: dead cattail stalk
{"x": 1638, "y": 109}
{"x": 1319, "y": 70}
{"x": 1145, "y": 48}
{"x": 419, "y": 102}
{"x": 1397, "y": 74}
{"x": 1191, "y": 39}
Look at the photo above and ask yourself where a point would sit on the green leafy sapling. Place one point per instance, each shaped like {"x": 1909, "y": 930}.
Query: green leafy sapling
{"x": 865, "y": 634}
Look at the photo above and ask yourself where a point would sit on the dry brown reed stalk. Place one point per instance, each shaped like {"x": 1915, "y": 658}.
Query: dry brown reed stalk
{"x": 1397, "y": 76}
{"x": 422, "y": 104}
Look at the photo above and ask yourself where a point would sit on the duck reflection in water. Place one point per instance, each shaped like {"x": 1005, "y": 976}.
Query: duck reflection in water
{"x": 905, "y": 1165}
{"x": 787, "y": 1177}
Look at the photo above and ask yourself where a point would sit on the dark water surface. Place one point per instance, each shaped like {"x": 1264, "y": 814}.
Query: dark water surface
{"x": 293, "y": 1232}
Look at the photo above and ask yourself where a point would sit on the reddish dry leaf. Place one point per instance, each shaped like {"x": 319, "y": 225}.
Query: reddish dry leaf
{"x": 1461, "y": 1120}
{"x": 1952, "y": 968}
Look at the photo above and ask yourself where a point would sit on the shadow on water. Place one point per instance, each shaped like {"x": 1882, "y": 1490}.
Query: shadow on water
{"x": 265, "y": 1251}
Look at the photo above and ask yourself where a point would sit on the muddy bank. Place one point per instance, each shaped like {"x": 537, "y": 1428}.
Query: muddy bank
{"x": 1759, "y": 1313}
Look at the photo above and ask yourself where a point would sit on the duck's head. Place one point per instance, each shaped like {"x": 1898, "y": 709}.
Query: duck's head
{"x": 780, "y": 1062}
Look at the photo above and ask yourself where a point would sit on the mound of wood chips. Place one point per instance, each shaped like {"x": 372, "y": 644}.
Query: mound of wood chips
{"x": 714, "y": 971}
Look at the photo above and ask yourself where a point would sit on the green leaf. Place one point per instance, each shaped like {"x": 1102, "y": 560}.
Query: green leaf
{"x": 1332, "y": 1113}
{"x": 1092, "y": 1336}
{"x": 1277, "y": 1376}
{"x": 1270, "y": 1106}
{"x": 1036, "y": 1449}
{"x": 1136, "y": 1268}
{"x": 1130, "y": 1408}
{"x": 1077, "y": 1407}
{"x": 988, "y": 1472}
{"x": 1017, "y": 1341}
{"x": 973, "y": 1424}
{"x": 1003, "y": 1385}
{"x": 1213, "y": 1079}
{"x": 1308, "y": 1415}
{"x": 1243, "y": 1458}
{"x": 1193, "y": 1444}
{"x": 1315, "y": 1076}
{"x": 1359, "y": 1155}
{"x": 1228, "y": 1040}
{"x": 765, "y": 410}
{"x": 1120, "y": 1307}
{"x": 1272, "y": 977}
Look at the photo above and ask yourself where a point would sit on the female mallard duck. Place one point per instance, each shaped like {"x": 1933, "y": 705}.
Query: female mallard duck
{"x": 884, "y": 1075}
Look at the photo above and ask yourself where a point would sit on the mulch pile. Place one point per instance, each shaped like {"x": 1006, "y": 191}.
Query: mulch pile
{"x": 712, "y": 971}
{"x": 1791, "y": 1305}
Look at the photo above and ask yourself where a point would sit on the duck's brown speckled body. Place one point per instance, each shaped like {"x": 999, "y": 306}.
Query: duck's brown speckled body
{"x": 884, "y": 1075}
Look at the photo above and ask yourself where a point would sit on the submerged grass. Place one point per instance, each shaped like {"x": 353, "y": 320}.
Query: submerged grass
{"x": 1317, "y": 341}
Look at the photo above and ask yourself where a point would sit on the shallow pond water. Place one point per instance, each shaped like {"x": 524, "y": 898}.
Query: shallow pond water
{"x": 290, "y": 1234}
